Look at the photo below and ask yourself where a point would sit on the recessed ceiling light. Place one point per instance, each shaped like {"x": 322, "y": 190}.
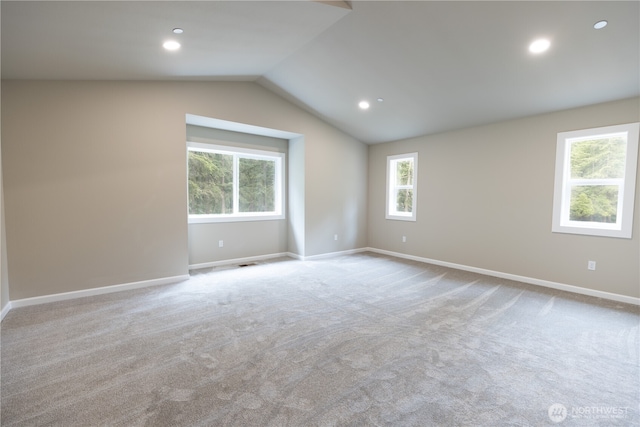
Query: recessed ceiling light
{"x": 177, "y": 31}
{"x": 171, "y": 45}
{"x": 363, "y": 105}
{"x": 600, "y": 24}
{"x": 380, "y": 100}
{"x": 539, "y": 46}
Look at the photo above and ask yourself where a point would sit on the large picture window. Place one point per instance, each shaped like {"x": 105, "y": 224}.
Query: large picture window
{"x": 402, "y": 175}
{"x": 595, "y": 181}
{"x": 234, "y": 184}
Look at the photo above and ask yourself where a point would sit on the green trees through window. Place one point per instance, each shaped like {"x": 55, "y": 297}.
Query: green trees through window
{"x": 256, "y": 185}
{"x": 404, "y": 183}
{"x": 596, "y": 162}
{"x": 210, "y": 183}
{"x": 225, "y": 183}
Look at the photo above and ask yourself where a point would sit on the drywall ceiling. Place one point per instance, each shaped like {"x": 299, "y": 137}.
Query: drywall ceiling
{"x": 118, "y": 40}
{"x": 437, "y": 65}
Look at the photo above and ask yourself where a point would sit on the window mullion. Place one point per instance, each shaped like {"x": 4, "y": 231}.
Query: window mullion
{"x": 236, "y": 184}
{"x": 596, "y": 181}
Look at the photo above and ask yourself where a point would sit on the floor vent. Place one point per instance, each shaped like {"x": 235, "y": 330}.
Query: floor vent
{"x": 247, "y": 265}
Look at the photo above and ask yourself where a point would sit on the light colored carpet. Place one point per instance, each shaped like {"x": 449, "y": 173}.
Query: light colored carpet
{"x": 354, "y": 340}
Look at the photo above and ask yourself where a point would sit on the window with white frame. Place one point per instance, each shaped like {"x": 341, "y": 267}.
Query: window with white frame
{"x": 402, "y": 180}
{"x": 595, "y": 181}
{"x": 234, "y": 184}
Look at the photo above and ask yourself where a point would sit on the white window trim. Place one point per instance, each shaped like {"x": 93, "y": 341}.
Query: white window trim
{"x": 278, "y": 157}
{"x": 562, "y": 187}
{"x": 390, "y": 212}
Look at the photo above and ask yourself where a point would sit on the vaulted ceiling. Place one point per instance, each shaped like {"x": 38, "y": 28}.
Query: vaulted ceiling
{"x": 436, "y": 66}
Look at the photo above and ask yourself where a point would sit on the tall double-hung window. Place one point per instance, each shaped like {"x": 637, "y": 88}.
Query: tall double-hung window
{"x": 234, "y": 184}
{"x": 402, "y": 186}
{"x": 595, "y": 181}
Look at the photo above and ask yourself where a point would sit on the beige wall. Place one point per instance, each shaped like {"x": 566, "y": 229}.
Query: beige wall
{"x": 333, "y": 177}
{"x": 4, "y": 272}
{"x": 296, "y": 197}
{"x": 95, "y": 178}
{"x": 4, "y": 275}
{"x": 485, "y": 201}
{"x": 95, "y": 189}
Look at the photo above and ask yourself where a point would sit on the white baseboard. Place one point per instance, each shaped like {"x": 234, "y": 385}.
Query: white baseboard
{"x": 239, "y": 260}
{"x": 295, "y": 256}
{"x": 96, "y": 291}
{"x": 524, "y": 279}
{"x": 333, "y": 254}
{"x": 168, "y": 280}
{"x": 5, "y": 310}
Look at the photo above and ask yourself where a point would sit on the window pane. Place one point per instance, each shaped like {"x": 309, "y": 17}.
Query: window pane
{"x": 404, "y": 172}
{"x": 404, "y": 200}
{"x": 594, "y": 203}
{"x": 210, "y": 183}
{"x": 598, "y": 158}
{"x": 257, "y": 185}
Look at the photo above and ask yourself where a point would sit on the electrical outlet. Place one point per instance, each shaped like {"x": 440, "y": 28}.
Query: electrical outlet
{"x": 404, "y": 239}
{"x": 591, "y": 265}
{"x": 220, "y": 243}
{"x": 335, "y": 237}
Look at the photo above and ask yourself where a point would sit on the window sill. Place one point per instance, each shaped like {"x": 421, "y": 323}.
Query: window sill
{"x": 205, "y": 219}
{"x": 400, "y": 218}
{"x": 593, "y": 231}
